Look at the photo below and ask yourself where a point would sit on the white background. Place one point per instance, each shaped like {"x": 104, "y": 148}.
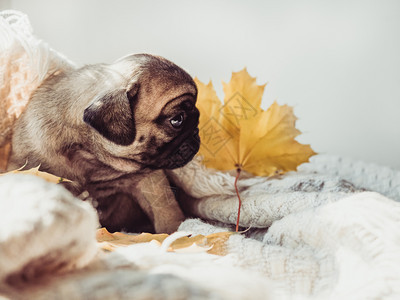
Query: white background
{"x": 336, "y": 62}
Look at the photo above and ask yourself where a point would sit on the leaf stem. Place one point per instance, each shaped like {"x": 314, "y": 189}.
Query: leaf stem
{"x": 240, "y": 201}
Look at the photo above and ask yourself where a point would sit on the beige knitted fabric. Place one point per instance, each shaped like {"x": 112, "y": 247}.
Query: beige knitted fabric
{"x": 25, "y": 61}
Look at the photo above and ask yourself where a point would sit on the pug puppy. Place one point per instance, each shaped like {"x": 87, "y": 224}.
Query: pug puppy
{"x": 112, "y": 130}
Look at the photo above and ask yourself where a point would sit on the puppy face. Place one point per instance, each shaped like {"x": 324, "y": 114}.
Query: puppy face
{"x": 149, "y": 118}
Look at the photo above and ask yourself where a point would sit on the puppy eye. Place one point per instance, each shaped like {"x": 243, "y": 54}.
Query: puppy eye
{"x": 177, "y": 121}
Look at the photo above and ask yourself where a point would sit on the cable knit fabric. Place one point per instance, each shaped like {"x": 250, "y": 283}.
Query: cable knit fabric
{"x": 266, "y": 200}
{"x": 370, "y": 176}
{"x": 324, "y": 236}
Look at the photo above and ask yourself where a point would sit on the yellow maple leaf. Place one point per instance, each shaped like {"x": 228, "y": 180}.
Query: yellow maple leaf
{"x": 240, "y": 135}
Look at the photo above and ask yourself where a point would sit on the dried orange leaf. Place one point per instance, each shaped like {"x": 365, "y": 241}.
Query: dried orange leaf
{"x": 35, "y": 171}
{"x": 110, "y": 241}
{"x": 186, "y": 241}
{"x": 213, "y": 243}
{"x": 218, "y": 241}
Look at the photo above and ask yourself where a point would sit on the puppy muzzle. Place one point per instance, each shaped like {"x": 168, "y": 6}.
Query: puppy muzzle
{"x": 184, "y": 153}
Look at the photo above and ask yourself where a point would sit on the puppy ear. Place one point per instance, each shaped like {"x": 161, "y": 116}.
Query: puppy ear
{"x": 112, "y": 115}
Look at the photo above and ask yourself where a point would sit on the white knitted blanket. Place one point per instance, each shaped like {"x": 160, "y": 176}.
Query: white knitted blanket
{"x": 318, "y": 237}
{"x": 315, "y": 234}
